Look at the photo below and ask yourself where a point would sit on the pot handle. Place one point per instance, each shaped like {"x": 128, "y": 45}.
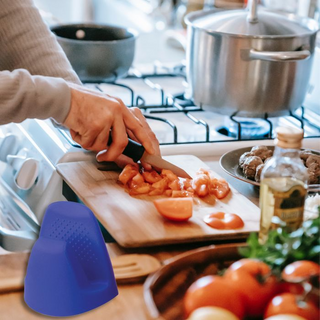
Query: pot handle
{"x": 279, "y": 55}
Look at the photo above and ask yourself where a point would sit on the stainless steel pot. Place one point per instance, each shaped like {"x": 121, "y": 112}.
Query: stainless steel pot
{"x": 97, "y": 52}
{"x": 240, "y": 61}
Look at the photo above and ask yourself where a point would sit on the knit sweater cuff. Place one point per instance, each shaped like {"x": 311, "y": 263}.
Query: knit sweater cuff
{"x": 53, "y": 96}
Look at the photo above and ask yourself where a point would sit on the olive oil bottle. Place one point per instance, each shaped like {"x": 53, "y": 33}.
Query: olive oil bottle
{"x": 283, "y": 185}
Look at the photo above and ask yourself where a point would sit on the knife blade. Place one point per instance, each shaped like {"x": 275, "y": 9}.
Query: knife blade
{"x": 136, "y": 152}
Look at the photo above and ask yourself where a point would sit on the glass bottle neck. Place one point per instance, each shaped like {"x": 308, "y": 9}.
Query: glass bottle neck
{"x": 282, "y": 152}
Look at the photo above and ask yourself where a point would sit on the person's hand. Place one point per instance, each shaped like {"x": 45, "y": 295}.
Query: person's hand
{"x": 93, "y": 114}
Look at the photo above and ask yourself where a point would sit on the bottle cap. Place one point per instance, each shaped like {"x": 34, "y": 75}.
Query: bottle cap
{"x": 289, "y": 137}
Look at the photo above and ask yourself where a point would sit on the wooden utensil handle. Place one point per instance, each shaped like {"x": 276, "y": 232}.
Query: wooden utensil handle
{"x": 133, "y": 150}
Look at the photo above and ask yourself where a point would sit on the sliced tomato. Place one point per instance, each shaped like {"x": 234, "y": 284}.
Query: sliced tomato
{"x": 128, "y": 172}
{"x": 165, "y": 173}
{"x": 186, "y": 184}
{"x": 181, "y": 193}
{"x": 137, "y": 179}
{"x": 151, "y": 176}
{"x": 136, "y": 189}
{"x": 158, "y": 187}
{"x": 175, "y": 209}
{"x": 221, "y": 220}
{"x": 200, "y": 184}
{"x": 175, "y": 185}
{"x": 219, "y": 187}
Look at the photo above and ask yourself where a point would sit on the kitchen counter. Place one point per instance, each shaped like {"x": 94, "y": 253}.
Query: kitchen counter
{"x": 129, "y": 304}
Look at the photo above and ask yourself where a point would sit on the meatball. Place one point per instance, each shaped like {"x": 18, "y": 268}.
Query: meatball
{"x": 258, "y": 172}
{"x": 304, "y": 155}
{"x": 314, "y": 173}
{"x": 243, "y": 158}
{"x": 262, "y": 152}
{"x": 313, "y": 158}
{"x": 250, "y": 166}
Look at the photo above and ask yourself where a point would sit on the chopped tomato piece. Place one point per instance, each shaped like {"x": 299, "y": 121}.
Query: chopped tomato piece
{"x": 175, "y": 209}
{"x": 168, "y": 192}
{"x": 138, "y": 179}
{"x": 151, "y": 176}
{"x": 155, "y": 192}
{"x": 142, "y": 188}
{"x": 158, "y": 187}
{"x": 219, "y": 187}
{"x": 200, "y": 184}
{"x": 128, "y": 172}
{"x": 221, "y": 220}
{"x": 186, "y": 184}
{"x": 181, "y": 193}
{"x": 175, "y": 185}
{"x": 165, "y": 173}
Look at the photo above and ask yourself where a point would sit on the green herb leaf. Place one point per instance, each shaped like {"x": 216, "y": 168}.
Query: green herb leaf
{"x": 282, "y": 248}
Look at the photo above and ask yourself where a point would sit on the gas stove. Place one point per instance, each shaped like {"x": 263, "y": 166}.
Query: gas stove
{"x": 30, "y": 151}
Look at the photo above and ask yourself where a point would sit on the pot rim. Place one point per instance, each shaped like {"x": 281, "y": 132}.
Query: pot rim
{"x": 193, "y": 15}
{"x": 133, "y": 33}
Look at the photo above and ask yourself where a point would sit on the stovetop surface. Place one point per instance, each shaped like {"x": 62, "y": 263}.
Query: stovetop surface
{"x": 175, "y": 119}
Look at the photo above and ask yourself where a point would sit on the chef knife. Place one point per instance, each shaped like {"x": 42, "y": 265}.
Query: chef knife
{"x": 136, "y": 152}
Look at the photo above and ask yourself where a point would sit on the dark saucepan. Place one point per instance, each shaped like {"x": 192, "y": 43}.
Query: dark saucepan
{"x": 97, "y": 52}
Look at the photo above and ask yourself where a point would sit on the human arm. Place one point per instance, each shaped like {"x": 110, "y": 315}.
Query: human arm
{"x": 93, "y": 114}
{"x": 26, "y": 42}
{"x": 25, "y": 96}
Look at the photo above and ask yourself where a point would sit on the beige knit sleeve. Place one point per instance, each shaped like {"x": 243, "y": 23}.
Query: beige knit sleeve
{"x": 33, "y": 83}
{"x": 25, "y": 96}
{"x": 26, "y": 42}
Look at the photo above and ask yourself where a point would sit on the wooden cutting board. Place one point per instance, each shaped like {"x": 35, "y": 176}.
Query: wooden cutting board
{"x": 134, "y": 221}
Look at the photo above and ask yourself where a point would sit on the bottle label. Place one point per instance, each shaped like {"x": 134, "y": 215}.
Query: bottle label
{"x": 289, "y": 206}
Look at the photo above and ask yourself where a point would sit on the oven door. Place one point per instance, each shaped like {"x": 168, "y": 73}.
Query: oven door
{"x": 18, "y": 226}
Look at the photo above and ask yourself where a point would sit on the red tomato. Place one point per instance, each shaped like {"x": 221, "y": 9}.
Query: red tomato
{"x": 221, "y": 220}
{"x": 288, "y": 303}
{"x": 213, "y": 291}
{"x": 287, "y": 287}
{"x": 257, "y": 287}
{"x": 176, "y": 209}
{"x": 300, "y": 270}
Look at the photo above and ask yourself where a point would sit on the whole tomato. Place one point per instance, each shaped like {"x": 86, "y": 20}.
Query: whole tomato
{"x": 288, "y": 303}
{"x": 213, "y": 291}
{"x": 254, "y": 281}
{"x": 300, "y": 270}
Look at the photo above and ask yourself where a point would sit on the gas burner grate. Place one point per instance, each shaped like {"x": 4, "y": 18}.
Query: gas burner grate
{"x": 234, "y": 127}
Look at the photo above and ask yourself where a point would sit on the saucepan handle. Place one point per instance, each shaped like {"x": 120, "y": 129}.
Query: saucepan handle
{"x": 279, "y": 55}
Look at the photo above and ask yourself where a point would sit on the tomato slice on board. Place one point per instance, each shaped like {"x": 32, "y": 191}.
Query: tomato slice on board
{"x": 175, "y": 209}
{"x": 221, "y": 220}
{"x": 219, "y": 187}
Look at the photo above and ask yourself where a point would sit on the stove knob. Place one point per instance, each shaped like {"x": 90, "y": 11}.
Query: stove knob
{"x": 27, "y": 169}
{"x": 8, "y": 145}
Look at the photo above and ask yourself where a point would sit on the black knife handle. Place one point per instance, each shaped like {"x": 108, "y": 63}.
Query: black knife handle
{"x": 133, "y": 150}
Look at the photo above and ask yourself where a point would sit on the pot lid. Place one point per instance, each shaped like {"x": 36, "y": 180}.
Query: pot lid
{"x": 252, "y": 22}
